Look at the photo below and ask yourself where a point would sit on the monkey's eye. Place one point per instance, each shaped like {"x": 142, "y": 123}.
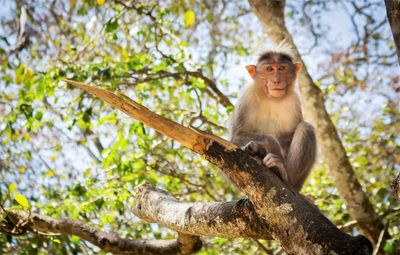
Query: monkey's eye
{"x": 282, "y": 68}
{"x": 269, "y": 69}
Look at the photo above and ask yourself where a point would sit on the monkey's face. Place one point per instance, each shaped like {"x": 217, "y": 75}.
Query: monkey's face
{"x": 274, "y": 78}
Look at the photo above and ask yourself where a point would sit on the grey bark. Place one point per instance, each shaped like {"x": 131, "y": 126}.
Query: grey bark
{"x": 299, "y": 226}
{"x": 224, "y": 219}
{"x": 393, "y": 15}
{"x": 396, "y": 187}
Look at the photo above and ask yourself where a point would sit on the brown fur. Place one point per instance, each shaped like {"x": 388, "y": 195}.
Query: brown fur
{"x": 272, "y": 129}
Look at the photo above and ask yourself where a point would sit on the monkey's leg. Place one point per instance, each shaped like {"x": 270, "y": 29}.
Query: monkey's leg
{"x": 301, "y": 155}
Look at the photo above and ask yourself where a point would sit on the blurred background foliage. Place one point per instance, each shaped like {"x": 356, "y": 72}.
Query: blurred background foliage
{"x": 64, "y": 153}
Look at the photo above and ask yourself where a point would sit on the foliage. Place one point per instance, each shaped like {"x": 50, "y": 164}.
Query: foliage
{"x": 66, "y": 154}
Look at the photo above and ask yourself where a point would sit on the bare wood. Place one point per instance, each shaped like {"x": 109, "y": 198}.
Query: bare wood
{"x": 291, "y": 219}
{"x": 271, "y": 15}
{"x": 185, "y": 244}
{"x": 223, "y": 219}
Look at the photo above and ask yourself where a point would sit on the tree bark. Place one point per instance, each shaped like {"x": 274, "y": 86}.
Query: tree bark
{"x": 24, "y": 221}
{"x": 229, "y": 219}
{"x": 291, "y": 219}
{"x": 396, "y": 187}
{"x": 393, "y": 14}
{"x": 271, "y": 15}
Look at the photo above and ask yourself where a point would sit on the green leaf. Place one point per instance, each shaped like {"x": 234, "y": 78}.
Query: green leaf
{"x": 189, "y": 17}
{"x": 197, "y": 83}
{"x": 26, "y": 109}
{"x": 22, "y": 200}
{"x": 39, "y": 115}
{"x": 111, "y": 25}
{"x": 20, "y": 74}
{"x": 56, "y": 241}
{"x": 41, "y": 86}
{"x": 12, "y": 187}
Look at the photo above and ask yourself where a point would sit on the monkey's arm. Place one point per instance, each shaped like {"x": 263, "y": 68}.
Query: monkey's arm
{"x": 302, "y": 154}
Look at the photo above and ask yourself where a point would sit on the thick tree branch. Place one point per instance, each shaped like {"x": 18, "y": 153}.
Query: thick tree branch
{"x": 393, "y": 14}
{"x": 185, "y": 244}
{"x": 230, "y": 219}
{"x": 293, "y": 221}
{"x": 271, "y": 16}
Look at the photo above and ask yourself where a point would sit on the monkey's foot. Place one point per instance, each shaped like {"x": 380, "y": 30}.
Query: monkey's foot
{"x": 275, "y": 162}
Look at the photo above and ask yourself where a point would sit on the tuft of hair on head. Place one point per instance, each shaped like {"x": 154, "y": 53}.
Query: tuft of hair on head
{"x": 283, "y": 47}
{"x": 283, "y": 50}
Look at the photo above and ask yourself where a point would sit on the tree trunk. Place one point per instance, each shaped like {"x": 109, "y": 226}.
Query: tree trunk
{"x": 393, "y": 14}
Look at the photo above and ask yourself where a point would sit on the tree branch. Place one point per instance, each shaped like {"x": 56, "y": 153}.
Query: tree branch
{"x": 293, "y": 221}
{"x": 185, "y": 244}
{"x": 230, "y": 219}
{"x": 271, "y": 15}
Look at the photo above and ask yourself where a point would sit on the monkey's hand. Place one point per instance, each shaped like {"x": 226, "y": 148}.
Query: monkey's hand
{"x": 255, "y": 149}
{"x": 277, "y": 164}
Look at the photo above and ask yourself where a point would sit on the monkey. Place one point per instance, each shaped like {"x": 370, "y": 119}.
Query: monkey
{"x": 268, "y": 122}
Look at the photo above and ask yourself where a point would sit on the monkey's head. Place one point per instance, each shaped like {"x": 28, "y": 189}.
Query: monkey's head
{"x": 275, "y": 73}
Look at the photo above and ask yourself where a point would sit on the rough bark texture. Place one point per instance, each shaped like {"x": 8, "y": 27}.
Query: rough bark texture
{"x": 185, "y": 244}
{"x": 229, "y": 219}
{"x": 271, "y": 15}
{"x": 396, "y": 187}
{"x": 393, "y": 14}
{"x": 291, "y": 219}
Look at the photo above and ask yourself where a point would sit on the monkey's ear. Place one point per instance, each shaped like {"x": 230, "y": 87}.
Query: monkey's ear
{"x": 252, "y": 70}
{"x": 297, "y": 67}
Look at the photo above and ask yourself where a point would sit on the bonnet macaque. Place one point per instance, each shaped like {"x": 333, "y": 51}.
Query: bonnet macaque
{"x": 268, "y": 122}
